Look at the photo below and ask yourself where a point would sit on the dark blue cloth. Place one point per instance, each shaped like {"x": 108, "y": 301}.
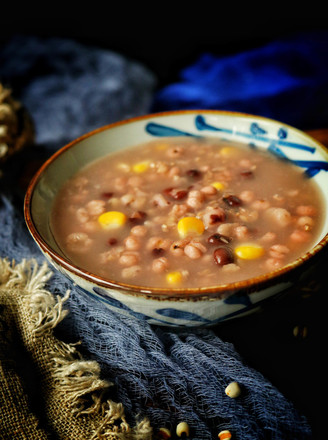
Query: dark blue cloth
{"x": 166, "y": 375}
{"x": 286, "y": 80}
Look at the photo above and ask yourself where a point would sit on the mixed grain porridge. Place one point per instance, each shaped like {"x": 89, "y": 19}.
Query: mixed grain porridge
{"x": 186, "y": 213}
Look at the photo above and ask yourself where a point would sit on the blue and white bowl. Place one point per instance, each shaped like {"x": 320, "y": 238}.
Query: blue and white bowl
{"x": 177, "y": 307}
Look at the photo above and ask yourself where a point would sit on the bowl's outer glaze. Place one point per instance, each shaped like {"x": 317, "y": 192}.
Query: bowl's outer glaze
{"x": 191, "y": 307}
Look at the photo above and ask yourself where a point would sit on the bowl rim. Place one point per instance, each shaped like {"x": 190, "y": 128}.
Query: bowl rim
{"x": 187, "y": 294}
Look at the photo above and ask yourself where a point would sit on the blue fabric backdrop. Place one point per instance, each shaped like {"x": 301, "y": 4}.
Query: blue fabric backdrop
{"x": 285, "y": 79}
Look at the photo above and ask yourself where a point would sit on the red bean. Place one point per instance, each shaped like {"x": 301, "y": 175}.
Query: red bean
{"x": 222, "y": 256}
{"x": 215, "y": 218}
{"x": 112, "y": 241}
{"x": 194, "y": 173}
{"x": 137, "y": 217}
{"x": 107, "y": 195}
{"x": 247, "y": 174}
{"x": 175, "y": 193}
{"x": 218, "y": 238}
{"x": 158, "y": 251}
{"x": 232, "y": 200}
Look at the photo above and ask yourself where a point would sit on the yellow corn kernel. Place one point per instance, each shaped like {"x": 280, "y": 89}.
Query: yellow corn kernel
{"x": 174, "y": 277}
{"x": 161, "y": 146}
{"x": 229, "y": 151}
{"x": 249, "y": 251}
{"x": 141, "y": 167}
{"x": 218, "y": 185}
{"x": 112, "y": 219}
{"x": 190, "y": 225}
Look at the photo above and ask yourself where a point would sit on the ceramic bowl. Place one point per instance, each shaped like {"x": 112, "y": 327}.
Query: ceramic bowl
{"x": 170, "y": 307}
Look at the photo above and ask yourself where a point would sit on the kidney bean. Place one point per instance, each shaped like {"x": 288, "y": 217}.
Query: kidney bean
{"x": 232, "y": 200}
{"x": 223, "y": 255}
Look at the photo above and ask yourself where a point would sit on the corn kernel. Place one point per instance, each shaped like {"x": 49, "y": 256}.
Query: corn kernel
{"x": 224, "y": 435}
{"x": 141, "y": 167}
{"x": 112, "y": 219}
{"x": 218, "y": 185}
{"x": 190, "y": 225}
{"x": 161, "y": 146}
{"x": 229, "y": 151}
{"x": 249, "y": 251}
{"x": 174, "y": 277}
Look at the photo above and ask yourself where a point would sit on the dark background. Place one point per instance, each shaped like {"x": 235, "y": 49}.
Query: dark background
{"x": 161, "y": 38}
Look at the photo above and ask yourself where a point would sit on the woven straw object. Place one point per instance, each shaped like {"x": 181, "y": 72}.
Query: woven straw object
{"x": 16, "y": 125}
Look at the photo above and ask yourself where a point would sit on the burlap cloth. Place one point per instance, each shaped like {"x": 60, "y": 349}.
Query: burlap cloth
{"x": 71, "y": 396}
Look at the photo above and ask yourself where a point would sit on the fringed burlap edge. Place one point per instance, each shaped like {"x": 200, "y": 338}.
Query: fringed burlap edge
{"x": 72, "y": 389}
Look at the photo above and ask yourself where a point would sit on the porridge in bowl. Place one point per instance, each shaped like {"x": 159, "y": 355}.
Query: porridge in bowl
{"x": 186, "y": 213}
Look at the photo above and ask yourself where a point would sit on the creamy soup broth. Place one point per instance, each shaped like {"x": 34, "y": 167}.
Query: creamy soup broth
{"x": 186, "y": 213}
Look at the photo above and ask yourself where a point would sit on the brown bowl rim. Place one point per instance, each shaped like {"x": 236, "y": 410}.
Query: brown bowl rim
{"x": 192, "y": 294}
